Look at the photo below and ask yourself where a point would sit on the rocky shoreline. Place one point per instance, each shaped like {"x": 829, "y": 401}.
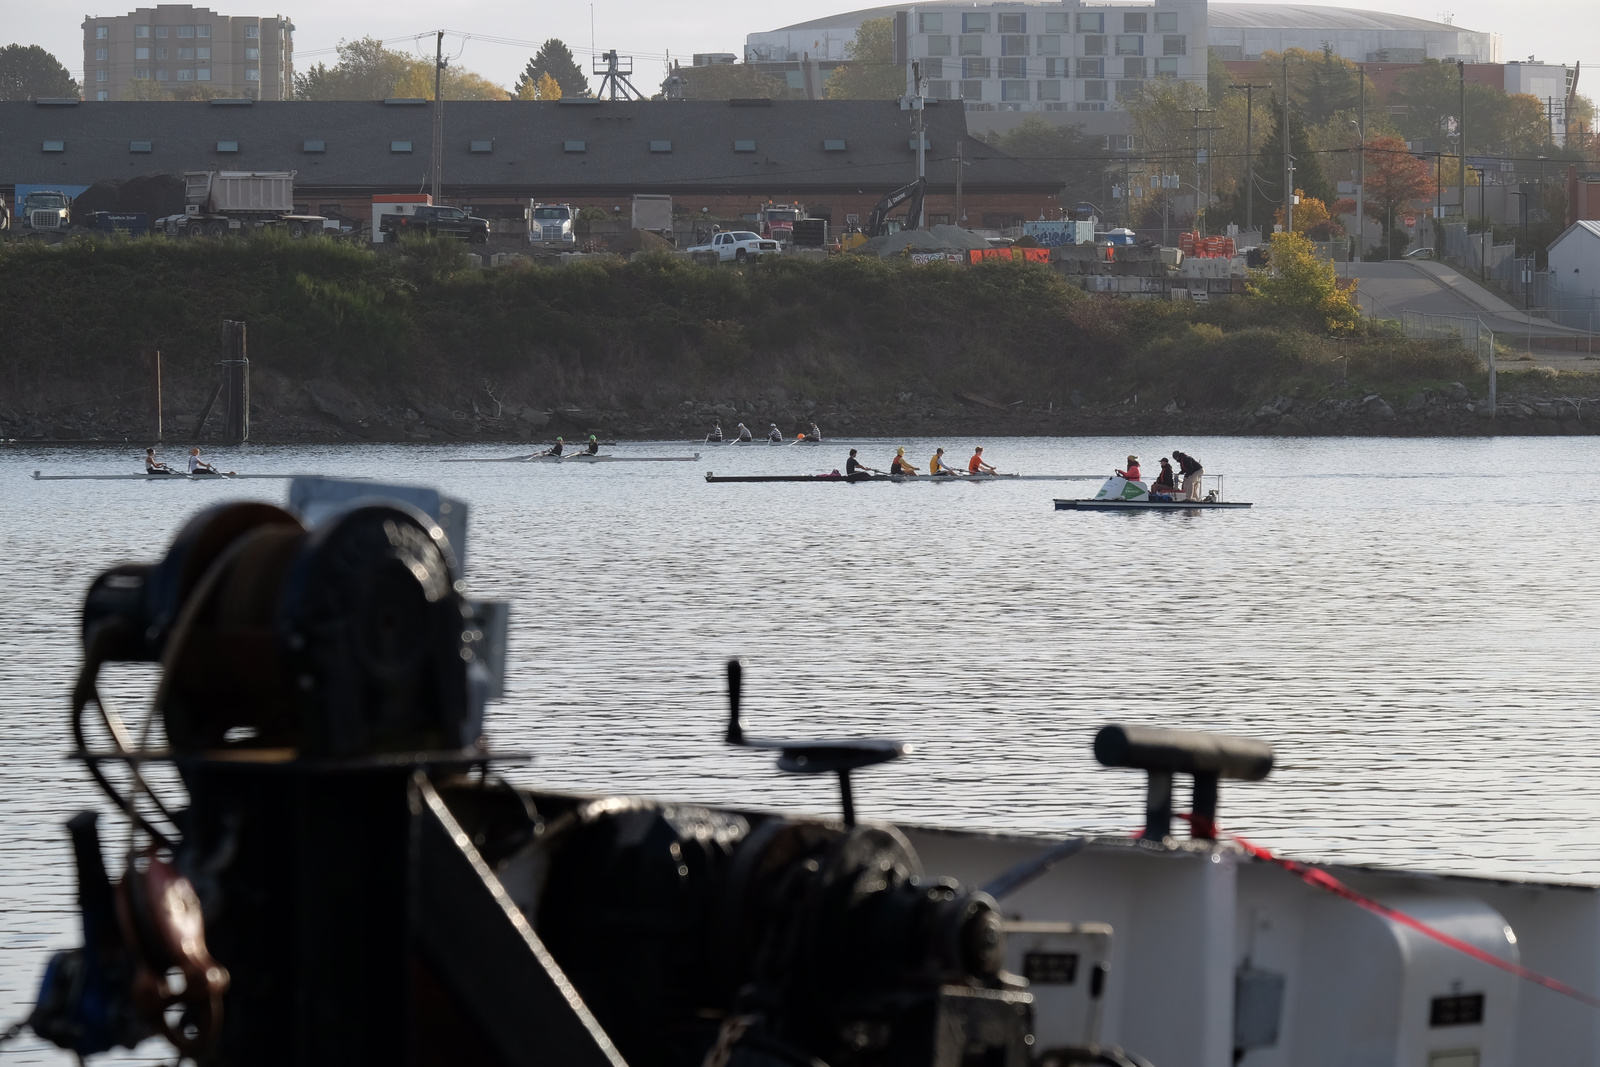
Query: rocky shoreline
{"x": 322, "y": 411}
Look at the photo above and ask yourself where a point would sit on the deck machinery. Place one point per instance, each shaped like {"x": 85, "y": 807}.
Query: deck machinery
{"x": 345, "y": 879}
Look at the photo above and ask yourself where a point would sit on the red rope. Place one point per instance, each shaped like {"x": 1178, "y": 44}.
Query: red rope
{"x": 1321, "y": 879}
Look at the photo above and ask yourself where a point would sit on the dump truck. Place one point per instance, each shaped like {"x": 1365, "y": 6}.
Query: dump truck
{"x": 217, "y": 202}
{"x": 46, "y": 211}
{"x": 777, "y": 221}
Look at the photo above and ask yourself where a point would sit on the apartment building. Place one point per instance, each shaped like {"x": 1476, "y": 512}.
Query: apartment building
{"x": 1057, "y": 57}
{"x": 1003, "y": 60}
{"x": 179, "y": 47}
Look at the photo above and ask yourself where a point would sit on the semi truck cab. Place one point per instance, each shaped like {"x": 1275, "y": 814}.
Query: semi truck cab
{"x": 551, "y": 224}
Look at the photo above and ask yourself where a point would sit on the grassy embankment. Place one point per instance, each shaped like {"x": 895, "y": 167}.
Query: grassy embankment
{"x": 656, "y": 340}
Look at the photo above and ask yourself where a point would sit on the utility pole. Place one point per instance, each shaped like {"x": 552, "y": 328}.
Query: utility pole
{"x": 1461, "y": 129}
{"x": 438, "y": 114}
{"x": 1288, "y": 157}
{"x": 961, "y": 216}
{"x": 1199, "y": 211}
{"x": 922, "y": 153}
{"x": 1361, "y": 166}
{"x": 1249, "y": 153}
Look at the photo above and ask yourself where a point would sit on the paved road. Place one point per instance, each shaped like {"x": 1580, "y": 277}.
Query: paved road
{"x": 1388, "y": 289}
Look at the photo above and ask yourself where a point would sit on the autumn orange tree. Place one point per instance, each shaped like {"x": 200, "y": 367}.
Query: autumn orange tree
{"x": 1395, "y": 179}
{"x": 1312, "y": 218}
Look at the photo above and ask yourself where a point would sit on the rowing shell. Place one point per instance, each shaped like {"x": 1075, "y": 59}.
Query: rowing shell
{"x": 578, "y": 457}
{"x": 198, "y": 477}
{"x": 1148, "y": 505}
{"x": 710, "y": 477}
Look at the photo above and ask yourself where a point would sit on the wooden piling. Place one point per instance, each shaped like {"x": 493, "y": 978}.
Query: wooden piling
{"x": 154, "y": 360}
{"x": 236, "y": 382}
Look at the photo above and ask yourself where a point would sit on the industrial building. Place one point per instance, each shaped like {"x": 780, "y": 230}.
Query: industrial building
{"x": 179, "y": 47}
{"x": 717, "y": 159}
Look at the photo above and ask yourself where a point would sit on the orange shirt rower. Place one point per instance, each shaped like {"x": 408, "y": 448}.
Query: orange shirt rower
{"x": 976, "y": 465}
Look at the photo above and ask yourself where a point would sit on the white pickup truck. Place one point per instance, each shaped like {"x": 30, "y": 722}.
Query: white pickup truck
{"x": 739, "y": 244}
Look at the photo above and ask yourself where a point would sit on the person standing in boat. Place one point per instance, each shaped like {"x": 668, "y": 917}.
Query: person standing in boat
{"x": 976, "y": 465}
{"x": 940, "y": 467}
{"x": 200, "y": 466}
{"x": 1132, "y": 473}
{"x": 745, "y": 435}
{"x": 1165, "y": 484}
{"x": 1193, "y": 474}
{"x": 154, "y": 466}
{"x": 901, "y": 465}
{"x": 775, "y": 435}
{"x": 715, "y": 436}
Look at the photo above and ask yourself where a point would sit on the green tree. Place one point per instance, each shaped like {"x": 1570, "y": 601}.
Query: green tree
{"x": 1309, "y": 175}
{"x": 28, "y": 72}
{"x": 872, "y": 73}
{"x": 1218, "y": 78}
{"x": 555, "y": 59}
{"x": 1078, "y": 161}
{"x": 1332, "y": 86}
{"x": 725, "y": 81}
{"x": 144, "y": 89}
{"x": 1300, "y": 283}
{"x": 366, "y": 70}
{"x": 200, "y": 91}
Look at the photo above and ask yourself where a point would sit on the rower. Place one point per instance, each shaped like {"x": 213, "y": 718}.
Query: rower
{"x": 1132, "y": 473}
{"x": 901, "y": 465}
{"x": 855, "y": 470}
{"x": 775, "y": 435}
{"x": 152, "y": 466}
{"x": 976, "y": 465}
{"x": 716, "y": 432}
{"x": 939, "y": 466}
{"x": 744, "y": 433}
{"x": 594, "y": 445}
{"x": 815, "y": 434}
{"x": 556, "y": 449}
{"x": 1193, "y": 474}
{"x": 200, "y": 466}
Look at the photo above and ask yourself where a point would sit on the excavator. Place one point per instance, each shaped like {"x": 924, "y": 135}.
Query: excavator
{"x": 878, "y": 222}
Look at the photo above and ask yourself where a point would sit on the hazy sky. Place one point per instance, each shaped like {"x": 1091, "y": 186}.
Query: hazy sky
{"x": 1555, "y": 30}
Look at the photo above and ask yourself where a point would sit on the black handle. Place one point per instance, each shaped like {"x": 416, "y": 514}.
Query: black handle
{"x": 1183, "y": 752}
{"x": 735, "y": 686}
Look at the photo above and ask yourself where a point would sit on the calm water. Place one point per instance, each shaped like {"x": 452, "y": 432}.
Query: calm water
{"x": 1411, "y": 622}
